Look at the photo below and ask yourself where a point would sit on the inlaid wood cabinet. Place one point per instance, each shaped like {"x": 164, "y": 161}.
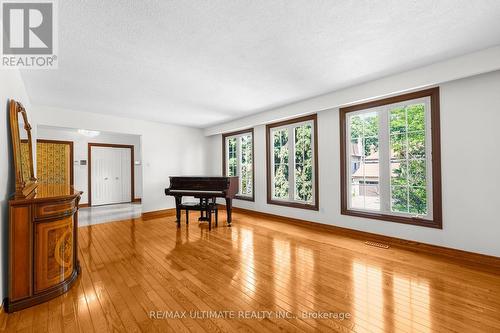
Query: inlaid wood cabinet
{"x": 43, "y": 221}
{"x": 43, "y": 260}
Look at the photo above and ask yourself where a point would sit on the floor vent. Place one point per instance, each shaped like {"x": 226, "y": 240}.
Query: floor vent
{"x": 382, "y": 246}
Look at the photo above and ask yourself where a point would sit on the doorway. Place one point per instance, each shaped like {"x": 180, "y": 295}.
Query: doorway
{"x": 110, "y": 173}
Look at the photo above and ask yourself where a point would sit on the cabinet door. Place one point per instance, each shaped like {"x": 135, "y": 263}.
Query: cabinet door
{"x": 54, "y": 252}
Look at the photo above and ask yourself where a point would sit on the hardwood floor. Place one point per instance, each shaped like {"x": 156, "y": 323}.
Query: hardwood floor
{"x": 135, "y": 270}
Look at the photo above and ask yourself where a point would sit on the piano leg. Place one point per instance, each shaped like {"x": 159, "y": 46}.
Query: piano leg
{"x": 178, "y": 201}
{"x": 209, "y": 215}
{"x": 229, "y": 203}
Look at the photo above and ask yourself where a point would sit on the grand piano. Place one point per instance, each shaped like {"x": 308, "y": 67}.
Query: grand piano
{"x": 203, "y": 187}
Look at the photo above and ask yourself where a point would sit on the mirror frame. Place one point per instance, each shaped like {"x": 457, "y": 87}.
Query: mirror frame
{"x": 23, "y": 188}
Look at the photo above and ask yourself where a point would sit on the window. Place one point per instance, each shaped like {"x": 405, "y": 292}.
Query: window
{"x": 390, "y": 159}
{"x": 238, "y": 161}
{"x": 292, "y": 165}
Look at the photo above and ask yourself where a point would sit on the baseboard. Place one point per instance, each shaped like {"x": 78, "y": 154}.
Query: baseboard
{"x": 158, "y": 213}
{"x": 85, "y": 205}
{"x": 137, "y": 200}
{"x": 471, "y": 258}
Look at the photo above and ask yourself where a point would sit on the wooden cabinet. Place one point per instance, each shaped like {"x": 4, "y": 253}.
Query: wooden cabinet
{"x": 43, "y": 254}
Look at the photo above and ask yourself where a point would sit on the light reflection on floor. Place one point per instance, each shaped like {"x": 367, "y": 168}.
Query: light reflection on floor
{"x": 108, "y": 213}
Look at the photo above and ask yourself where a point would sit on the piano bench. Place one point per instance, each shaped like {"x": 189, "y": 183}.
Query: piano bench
{"x": 203, "y": 207}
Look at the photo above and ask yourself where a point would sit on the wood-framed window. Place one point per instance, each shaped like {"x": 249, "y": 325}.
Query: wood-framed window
{"x": 391, "y": 159}
{"x": 292, "y": 163}
{"x": 237, "y": 160}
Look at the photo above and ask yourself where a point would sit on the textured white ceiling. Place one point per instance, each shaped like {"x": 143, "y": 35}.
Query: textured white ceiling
{"x": 200, "y": 63}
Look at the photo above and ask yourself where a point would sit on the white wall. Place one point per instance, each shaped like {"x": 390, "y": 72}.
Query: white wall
{"x": 11, "y": 86}
{"x": 470, "y": 118}
{"x": 80, "y": 152}
{"x": 484, "y": 61}
{"x": 167, "y": 150}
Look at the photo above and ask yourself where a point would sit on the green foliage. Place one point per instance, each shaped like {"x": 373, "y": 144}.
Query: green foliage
{"x": 232, "y": 160}
{"x": 303, "y": 163}
{"x": 365, "y": 127}
{"x": 245, "y": 160}
{"x": 280, "y": 140}
{"x": 407, "y": 144}
{"x": 246, "y": 165}
{"x": 417, "y": 199}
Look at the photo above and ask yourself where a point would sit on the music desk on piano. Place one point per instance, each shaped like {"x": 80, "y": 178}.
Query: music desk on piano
{"x": 203, "y": 187}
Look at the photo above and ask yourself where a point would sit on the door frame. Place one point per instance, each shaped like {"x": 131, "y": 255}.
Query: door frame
{"x": 89, "y": 167}
{"x": 71, "y": 162}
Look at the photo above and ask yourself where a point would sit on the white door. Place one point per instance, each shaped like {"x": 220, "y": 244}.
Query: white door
{"x": 110, "y": 175}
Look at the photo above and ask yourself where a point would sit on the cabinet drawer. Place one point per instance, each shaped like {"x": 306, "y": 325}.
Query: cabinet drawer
{"x": 54, "y": 208}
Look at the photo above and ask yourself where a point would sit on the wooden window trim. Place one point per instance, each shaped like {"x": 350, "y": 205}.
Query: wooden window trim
{"x": 270, "y": 200}
{"x": 224, "y": 136}
{"x": 437, "y": 219}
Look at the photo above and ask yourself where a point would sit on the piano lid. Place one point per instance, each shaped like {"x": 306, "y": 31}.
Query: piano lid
{"x": 204, "y": 183}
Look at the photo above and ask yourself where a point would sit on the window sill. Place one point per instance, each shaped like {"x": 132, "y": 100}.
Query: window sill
{"x": 435, "y": 223}
{"x": 245, "y": 198}
{"x": 293, "y": 204}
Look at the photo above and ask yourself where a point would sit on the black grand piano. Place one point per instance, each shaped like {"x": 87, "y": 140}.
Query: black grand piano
{"x": 205, "y": 188}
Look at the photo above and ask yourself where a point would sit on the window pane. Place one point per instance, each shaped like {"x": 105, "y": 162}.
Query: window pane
{"x": 280, "y": 146}
{"x": 246, "y": 165}
{"x": 399, "y": 173}
{"x": 399, "y": 199}
{"x": 365, "y": 195}
{"x": 355, "y": 154}
{"x": 370, "y": 124}
{"x": 357, "y": 195}
{"x": 303, "y": 163}
{"x": 397, "y": 120}
{"x": 416, "y": 144}
{"x": 370, "y": 148}
{"x": 365, "y": 188}
{"x": 280, "y": 179}
{"x": 372, "y": 195}
{"x": 417, "y": 200}
{"x": 416, "y": 173}
{"x": 364, "y": 161}
{"x": 356, "y": 127}
{"x": 232, "y": 159}
{"x": 398, "y": 146}
{"x": 408, "y": 165}
{"x": 246, "y": 180}
{"x": 416, "y": 117}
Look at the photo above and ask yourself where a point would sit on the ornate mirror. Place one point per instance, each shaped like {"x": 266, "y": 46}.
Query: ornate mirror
{"x": 23, "y": 152}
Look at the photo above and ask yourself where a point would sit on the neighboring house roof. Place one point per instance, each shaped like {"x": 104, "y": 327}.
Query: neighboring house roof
{"x": 372, "y": 157}
{"x": 367, "y": 170}
{"x": 356, "y": 151}
{"x": 370, "y": 170}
